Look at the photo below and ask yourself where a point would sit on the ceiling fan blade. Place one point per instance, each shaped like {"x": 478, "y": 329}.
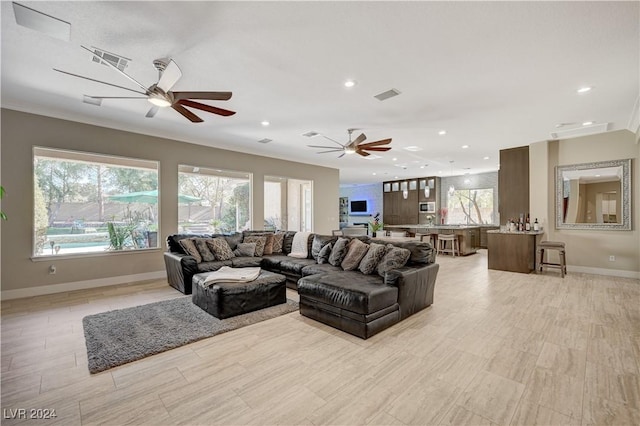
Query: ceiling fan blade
{"x": 322, "y": 146}
{"x": 331, "y": 150}
{"x": 380, "y": 149}
{"x": 170, "y": 76}
{"x": 359, "y": 139}
{"x": 334, "y": 141}
{"x": 203, "y": 107}
{"x": 118, "y": 70}
{"x": 212, "y": 96}
{"x": 117, "y": 97}
{"x": 363, "y": 153}
{"x": 152, "y": 112}
{"x": 341, "y": 155}
{"x": 188, "y": 114}
{"x": 100, "y": 81}
{"x": 376, "y": 143}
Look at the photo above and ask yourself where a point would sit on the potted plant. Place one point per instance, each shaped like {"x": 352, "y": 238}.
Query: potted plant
{"x": 443, "y": 215}
{"x": 376, "y": 225}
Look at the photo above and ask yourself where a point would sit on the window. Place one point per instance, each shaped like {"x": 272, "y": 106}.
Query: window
{"x": 213, "y": 200}
{"x": 471, "y": 206}
{"x": 88, "y": 203}
{"x": 288, "y": 204}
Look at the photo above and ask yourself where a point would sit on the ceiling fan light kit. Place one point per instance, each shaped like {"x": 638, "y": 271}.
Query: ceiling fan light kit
{"x": 160, "y": 94}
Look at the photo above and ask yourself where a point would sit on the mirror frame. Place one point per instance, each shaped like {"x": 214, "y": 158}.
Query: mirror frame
{"x": 625, "y": 199}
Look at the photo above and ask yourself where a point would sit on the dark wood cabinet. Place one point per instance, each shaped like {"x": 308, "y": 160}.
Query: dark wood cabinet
{"x": 397, "y": 209}
{"x": 483, "y": 235}
{"x": 513, "y": 183}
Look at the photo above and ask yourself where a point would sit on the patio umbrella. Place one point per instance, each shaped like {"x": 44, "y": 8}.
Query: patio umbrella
{"x": 149, "y": 197}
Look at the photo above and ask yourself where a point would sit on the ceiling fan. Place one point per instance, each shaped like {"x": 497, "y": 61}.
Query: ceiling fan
{"x": 356, "y": 146}
{"x": 160, "y": 94}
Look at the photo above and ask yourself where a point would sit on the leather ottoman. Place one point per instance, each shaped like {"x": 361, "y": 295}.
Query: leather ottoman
{"x": 227, "y": 299}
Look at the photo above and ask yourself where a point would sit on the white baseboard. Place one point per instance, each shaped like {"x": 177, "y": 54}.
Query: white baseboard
{"x": 80, "y": 285}
{"x": 602, "y": 271}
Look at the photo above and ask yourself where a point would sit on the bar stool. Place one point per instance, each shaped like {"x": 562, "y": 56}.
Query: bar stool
{"x": 442, "y": 244}
{"x": 552, "y": 245}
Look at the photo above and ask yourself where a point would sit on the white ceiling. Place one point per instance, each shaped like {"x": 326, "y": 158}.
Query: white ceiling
{"x": 493, "y": 75}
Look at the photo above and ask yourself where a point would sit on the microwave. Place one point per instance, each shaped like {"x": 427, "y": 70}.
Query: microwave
{"x": 429, "y": 207}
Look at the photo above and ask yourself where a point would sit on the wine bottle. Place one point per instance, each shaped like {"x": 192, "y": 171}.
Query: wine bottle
{"x": 527, "y": 225}
{"x": 536, "y": 225}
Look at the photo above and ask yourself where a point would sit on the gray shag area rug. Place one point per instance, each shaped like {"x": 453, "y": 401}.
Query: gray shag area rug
{"x": 117, "y": 337}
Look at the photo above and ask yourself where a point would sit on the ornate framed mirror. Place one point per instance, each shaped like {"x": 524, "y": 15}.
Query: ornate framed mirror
{"x": 594, "y": 196}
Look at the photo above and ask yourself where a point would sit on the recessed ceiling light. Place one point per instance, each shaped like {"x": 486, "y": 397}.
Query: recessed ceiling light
{"x": 394, "y": 159}
{"x": 395, "y": 177}
{"x": 349, "y": 83}
{"x": 587, "y": 123}
{"x": 442, "y": 132}
{"x": 584, "y": 89}
{"x": 413, "y": 148}
{"x": 265, "y": 123}
{"x": 374, "y": 173}
{"x": 465, "y": 146}
{"x": 439, "y": 172}
{"x": 422, "y": 167}
{"x": 485, "y": 158}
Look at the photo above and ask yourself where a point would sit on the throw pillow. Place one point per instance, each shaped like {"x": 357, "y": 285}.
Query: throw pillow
{"x": 325, "y": 252}
{"x": 203, "y": 249}
{"x": 319, "y": 241}
{"x": 287, "y": 242}
{"x": 394, "y": 258}
{"x": 268, "y": 245}
{"x": 369, "y": 262}
{"x": 260, "y": 242}
{"x": 189, "y": 247}
{"x": 278, "y": 239}
{"x": 220, "y": 248}
{"x": 245, "y": 249}
{"x": 234, "y": 239}
{"x": 356, "y": 250}
{"x": 338, "y": 252}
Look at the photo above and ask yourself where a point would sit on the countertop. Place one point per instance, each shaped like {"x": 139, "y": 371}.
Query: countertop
{"x": 515, "y": 232}
{"x": 435, "y": 226}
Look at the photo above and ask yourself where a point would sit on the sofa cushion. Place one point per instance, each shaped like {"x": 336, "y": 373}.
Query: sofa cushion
{"x": 203, "y": 249}
{"x": 349, "y": 290}
{"x": 278, "y": 239}
{"x": 369, "y": 263}
{"x": 339, "y": 251}
{"x": 220, "y": 248}
{"x": 325, "y": 252}
{"x": 189, "y": 247}
{"x": 233, "y": 239}
{"x": 294, "y": 265}
{"x": 356, "y": 250}
{"x": 260, "y": 241}
{"x": 245, "y": 249}
{"x": 287, "y": 241}
{"x": 422, "y": 252}
{"x": 394, "y": 258}
{"x": 246, "y": 262}
{"x": 268, "y": 244}
{"x": 272, "y": 262}
{"x": 212, "y": 266}
{"x": 319, "y": 269}
{"x": 319, "y": 241}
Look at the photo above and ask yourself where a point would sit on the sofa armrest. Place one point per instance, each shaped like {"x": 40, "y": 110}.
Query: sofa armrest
{"x": 415, "y": 287}
{"x": 180, "y": 270}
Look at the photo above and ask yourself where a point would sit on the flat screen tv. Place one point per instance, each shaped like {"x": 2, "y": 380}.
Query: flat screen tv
{"x": 359, "y": 206}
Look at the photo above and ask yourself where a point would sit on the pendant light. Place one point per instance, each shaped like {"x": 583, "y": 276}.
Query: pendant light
{"x": 452, "y": 189}
{"x": 427, "y": 191}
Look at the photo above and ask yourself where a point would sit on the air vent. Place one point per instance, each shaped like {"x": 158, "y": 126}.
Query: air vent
{"x": 580, "y": 131}
{"x": 386, "y": 95}
{"x": 117, "y": 61}
{"x": 265, "y": 140}
{"x": 413, "y": 148}
{"x": 92, "y": 101}
{"x": 310, "y": 134}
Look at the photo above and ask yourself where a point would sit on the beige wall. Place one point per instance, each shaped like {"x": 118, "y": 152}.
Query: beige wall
{"x": 588, "y": 251}
{"x": 21, "y": 132}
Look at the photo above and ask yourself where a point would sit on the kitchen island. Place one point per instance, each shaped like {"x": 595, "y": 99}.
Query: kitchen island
{"x": 513, "y": 251}
{"x": 468, "y": 235}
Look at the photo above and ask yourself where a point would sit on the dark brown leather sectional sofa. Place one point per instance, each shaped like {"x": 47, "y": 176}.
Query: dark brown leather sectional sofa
{"x": 359, "y": 304}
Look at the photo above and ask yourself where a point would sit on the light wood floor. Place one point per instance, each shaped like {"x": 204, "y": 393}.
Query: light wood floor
{"x": 495, "y": 348}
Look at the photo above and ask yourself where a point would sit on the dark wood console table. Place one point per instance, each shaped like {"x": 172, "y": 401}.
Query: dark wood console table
{"x": 512, "y": 251}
